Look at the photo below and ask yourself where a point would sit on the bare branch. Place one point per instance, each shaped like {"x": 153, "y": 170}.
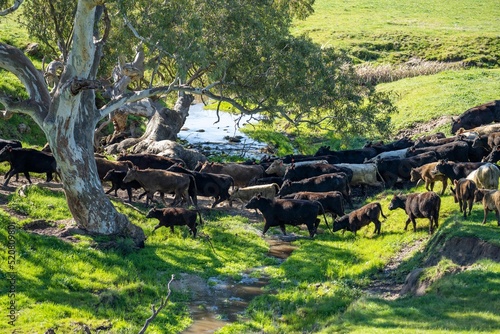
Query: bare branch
{"x": 122, "y": 100}
{"x": 155, "y": 310}
{"x": 142, "y": 39}
{"x": 13, "y": 105}
{"x": 107, "y": 26}
{"x": 11, "y": 9}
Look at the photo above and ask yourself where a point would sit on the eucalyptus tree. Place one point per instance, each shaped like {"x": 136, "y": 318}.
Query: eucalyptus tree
{"x": 240, "y": 52}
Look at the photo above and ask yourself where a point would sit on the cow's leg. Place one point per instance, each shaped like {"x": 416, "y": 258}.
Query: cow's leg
{"x": 49, "y": 176}
{"x": 311, "y": 228}
{"x": 27, "y": 175}
{"x": 378, "y": 225}
{"x": 414, "y": 222}
{"x": 217, "y": 201}
{"x": 445, "y": 184}
{"x": 497, "y": 214}
{"x": 485, "y": 214}
{"x": 283, "y": 229}
{"x": 407, "y": 223}
{"x": 431, "y": 224}
{"x": 129, "y": 193}
{"x": 9, "y": 174}
{"x": 471, "y": 202}
{"x": 266, "y": 227}
{"x": 194, "y": 230}
{"x": 461, "y": 204}
{"x": 431, "y": 186}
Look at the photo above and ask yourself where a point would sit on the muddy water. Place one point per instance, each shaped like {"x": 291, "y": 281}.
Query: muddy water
{"x": 228, "y": 300}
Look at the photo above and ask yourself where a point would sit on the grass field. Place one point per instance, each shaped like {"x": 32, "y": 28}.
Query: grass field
{"x": 388, "y": 31}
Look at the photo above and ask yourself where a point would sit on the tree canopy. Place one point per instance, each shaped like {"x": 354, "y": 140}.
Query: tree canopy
{"x": 238, "y": 51}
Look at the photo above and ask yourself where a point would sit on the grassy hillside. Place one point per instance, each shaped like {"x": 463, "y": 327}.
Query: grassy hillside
{"x": 394, "y": 31}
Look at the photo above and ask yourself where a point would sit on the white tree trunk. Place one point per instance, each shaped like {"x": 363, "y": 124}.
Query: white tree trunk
{"x": 68, "y": 118}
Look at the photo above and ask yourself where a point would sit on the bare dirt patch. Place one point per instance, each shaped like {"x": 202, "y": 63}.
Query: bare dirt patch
{"x": 425, "y": 128}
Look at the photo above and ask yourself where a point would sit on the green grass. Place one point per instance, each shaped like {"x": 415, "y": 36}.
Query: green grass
{"x": 388, "y": 31}
{"x": 318, "y": 289}
{"x": 451, "y": 93}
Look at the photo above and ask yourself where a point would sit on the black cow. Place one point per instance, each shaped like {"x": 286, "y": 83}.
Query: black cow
{"x": 357, "y": 156}
{"x": 424, "y": 205}
{"x": 297, "y": 173}
{"x": 480, "y": 115}
{"x": 170, "y": 217}
{"x": 363, "y": 216}
{"x": 144, "y": 161}
{"x": 332, "y": 201}
{"x": 393, "y": 168}
{"x": 116, "y": 179}
{"x": 278, "y": 212}
{"x": 25, "y": 160}
{"x": 209, "y": 184}
{"x": 322, "y": 183}
{"x": 456, "y": 151}
{"x": 393, "y": 146}
{"x": 456, "y": 170}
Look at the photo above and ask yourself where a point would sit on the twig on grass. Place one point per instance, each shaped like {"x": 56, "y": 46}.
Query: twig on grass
{"x": 155, "y": 310}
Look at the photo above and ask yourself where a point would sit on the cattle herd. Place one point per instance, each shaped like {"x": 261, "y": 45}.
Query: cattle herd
{"x": 297, "y": 189}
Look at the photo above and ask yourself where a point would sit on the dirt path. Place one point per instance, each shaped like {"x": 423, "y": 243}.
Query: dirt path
{"x": 386, "y": 285}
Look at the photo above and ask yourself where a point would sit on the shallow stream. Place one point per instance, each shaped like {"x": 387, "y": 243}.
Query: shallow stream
{"x": 225, "y": 302}
{"x": 219, "y": 134}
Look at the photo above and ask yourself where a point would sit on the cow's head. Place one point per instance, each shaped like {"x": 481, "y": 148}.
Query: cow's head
{"x": 479, "y": 194}
{"x": 456, "y": 124}
{"x": 397, "y": 201}
{"x": 341, "y": 223}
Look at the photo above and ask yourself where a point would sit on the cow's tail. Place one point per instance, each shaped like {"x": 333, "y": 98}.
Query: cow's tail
{"x": 192, "y": 190}
{"x": 381, "y": 212}
{"x": 324, "y": 215}
{"x": 199, "y": 215}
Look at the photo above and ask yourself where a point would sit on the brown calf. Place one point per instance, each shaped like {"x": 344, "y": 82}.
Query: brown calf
{"x": 491, "y": 202}
{"x": 361, "y": 217}
{"x": 425, "y": 173}
{"x": 241, "y": 174}
{"x": 464, "y": 194}
{"x": 153, "y": 180}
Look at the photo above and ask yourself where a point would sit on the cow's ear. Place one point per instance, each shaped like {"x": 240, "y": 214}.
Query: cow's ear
{"x": 258, "y": 195}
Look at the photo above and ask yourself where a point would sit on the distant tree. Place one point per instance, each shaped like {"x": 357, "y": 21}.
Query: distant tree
{"x": 236, "y": 51}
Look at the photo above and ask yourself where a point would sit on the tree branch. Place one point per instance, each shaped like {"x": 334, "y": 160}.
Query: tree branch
{"x": 123, "y": 99}
{"x": 11, "y": 9}
{"x": 156, "y": 311}
{"x": 16, "y": 62}
{"x": 13, "y": 105}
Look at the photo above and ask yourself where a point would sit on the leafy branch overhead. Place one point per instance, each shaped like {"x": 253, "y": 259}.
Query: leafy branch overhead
{"x": 239, "y": 52}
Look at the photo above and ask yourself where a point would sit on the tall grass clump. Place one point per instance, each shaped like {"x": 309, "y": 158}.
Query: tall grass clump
{"x": 374, "y": 74}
